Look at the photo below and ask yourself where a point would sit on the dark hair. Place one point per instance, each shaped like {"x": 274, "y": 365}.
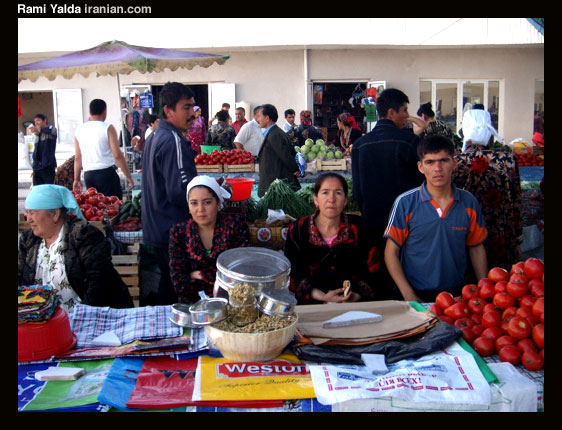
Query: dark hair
{"x": 434, "y": 143}
{"x": 208, "y": 189}
{"x": 152, "y": 118}
{"x": 222, "y": 115}
{"x": 289, "y": 112}
{"x": 322, "y": 177}
{"x": 426, "y": 110}
{"x": 172, "y": 93}
{"x": 40, "y": 116}
{"x": 97, "y": 107}
{"x": 270, "y": 111}
{"x": 226, "y": 105}
{"x": 479, "y": 106}
{"x": 242, "y": 109}
{"x": 256, "y": 109}
{"x": 390, "y": 98}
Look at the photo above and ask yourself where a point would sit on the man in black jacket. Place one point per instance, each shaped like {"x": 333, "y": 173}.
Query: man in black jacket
{"x": 384, "y": 164}
{"x": 277, "y": 154}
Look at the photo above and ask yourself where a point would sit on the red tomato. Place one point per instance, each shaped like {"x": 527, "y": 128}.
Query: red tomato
{"x": 468, "y": 334}
{"x": 519, "y": 328}
{"x": 493, "y": 333}
{"x": 436, "y": 310}
{"x": 485, "y": 281}
{"x": 533, "y": 320}
{"x": 541, "y": 319}
{"x": 491, "y": 319}
{"x": 500, "y": 287}
{"x": 503, "y": 300}
{"x": 534, "y": 268}
{"x": 484, "y": 346}
{"x": 477, "y": 329}
{"x": 476, "y": 318}
{"x": 91, "y": 191}
{"x": 519, "y": 278}
{"x": 526, "y": 345}
{"x": 89, "y": 214}
{"x": 456, "y": 311}
{"x": 487, "y": 292}
{"x": 510, "y": 354}
{"x": 469, "y": 291}
{"x": 524, "y": 312}
{"x": 463, "y": 322}
{"x": 447, "y": 319}
{"x": 538, "y": 307}
{"x": 517, "y": 289}
{"x": 509, "y": 313}
{"x": 538, "y": 335}
{"x": 498, "y": 274}
{"x": 488, "y": 307}
{"x": 93, "y": 201}
{"x": 527, "y": 301}
{"x": 532, "y": 360}
{"x": 504, "y": 340}
{"x": 517, "y": 268}
{"x": 114, "y": 199}
{"x": 444, "y": 300}
{"x": 536, "y": 287}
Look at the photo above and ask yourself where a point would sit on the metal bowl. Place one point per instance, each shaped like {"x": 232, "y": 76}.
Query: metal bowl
{"x": 209, "y": 311}
{"x": 275, "y": 302}
{"x": 180, "y": 315}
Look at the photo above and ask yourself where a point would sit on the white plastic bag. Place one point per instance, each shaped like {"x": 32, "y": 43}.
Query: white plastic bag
{"x": 23, "y": 157}
{"x": 277, "y": 215}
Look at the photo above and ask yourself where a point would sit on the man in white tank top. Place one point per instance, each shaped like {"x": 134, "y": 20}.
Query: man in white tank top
{"x": 97, "y": 150}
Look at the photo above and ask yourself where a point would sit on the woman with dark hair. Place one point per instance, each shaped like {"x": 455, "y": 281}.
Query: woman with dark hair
{"x": 330, "y": 247}
{"x": 436, "y": 126}
{"x": 347, "y": 134}
{"x": 221, "y": 134}
{"x": 64, "y": 251}
{"x": 196, "y": 243}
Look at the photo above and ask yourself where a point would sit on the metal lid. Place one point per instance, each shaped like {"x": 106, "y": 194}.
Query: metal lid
{"x": 180, "y": 315}
{"x": 253, "y": 264}
{"x": 276, "y": 302}
{"x": 209, "y": 311}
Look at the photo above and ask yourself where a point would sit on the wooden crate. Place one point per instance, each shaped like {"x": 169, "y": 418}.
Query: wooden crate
{"x": 212, "y": 168}
{"x": 340, "y": 164}
{"x": 239, "y": 168}
{"x": 128, "y": 268}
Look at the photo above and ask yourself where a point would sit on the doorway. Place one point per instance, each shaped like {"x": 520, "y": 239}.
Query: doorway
{"x": 201, "y": 92}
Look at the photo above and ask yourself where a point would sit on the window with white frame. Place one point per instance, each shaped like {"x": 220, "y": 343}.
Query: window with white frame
{"x": 450, "y": 98}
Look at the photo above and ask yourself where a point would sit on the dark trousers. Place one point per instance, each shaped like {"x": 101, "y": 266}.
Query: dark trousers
{"x": 166, "y": 293}
{"x": 385, "y": 284}
{"x": 106, "y": 181}
{"x": 44, "y": 176}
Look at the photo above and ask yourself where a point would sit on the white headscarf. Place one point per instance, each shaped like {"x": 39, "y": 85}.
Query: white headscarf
{"x": 477, "y": 127}
{"x": 211, "y": 183}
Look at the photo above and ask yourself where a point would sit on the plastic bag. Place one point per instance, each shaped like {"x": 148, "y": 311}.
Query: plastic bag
{"x": 278, "y": 215}
{"x": 438, "y": 337}
{"x": 23, "y": 157}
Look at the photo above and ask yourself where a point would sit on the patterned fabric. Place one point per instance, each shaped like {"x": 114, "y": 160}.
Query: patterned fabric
{"x": 143, "y": 323}
{"x": 187, "y": 253}
{"x": 440, "y": 128}
{"x": 315, "y": 264}
{"x": 493, "y": 178}
{"x": 65, "y": 174}
{"x": 36, "y": 303}
{"x": 198, "y": 134}
{"x": 50, "y": 270}
{"x": 222, "y": 135}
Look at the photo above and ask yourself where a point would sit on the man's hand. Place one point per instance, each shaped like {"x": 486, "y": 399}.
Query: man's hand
{"x": 130, "y": 182}
{"x": 77, "y": 187}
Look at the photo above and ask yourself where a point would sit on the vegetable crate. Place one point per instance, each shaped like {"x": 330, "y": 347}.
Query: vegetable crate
{"x": 239, "y": 168}
{"x": 209, "y": 168}
{"x": 128, "y": 268}
{"x": 340, "y": 164}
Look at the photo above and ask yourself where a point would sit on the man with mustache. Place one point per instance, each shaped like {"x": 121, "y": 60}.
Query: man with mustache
{"x": 168, "y": 166}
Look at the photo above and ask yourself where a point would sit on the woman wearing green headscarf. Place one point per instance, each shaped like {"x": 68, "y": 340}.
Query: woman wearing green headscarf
{"x": 64, "y": 251}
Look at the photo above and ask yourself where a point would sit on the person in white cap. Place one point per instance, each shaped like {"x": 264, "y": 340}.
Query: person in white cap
{"x": 196, "y": 243}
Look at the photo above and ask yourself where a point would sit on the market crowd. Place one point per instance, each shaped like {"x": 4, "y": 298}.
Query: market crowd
{"x": 433, "y": 217}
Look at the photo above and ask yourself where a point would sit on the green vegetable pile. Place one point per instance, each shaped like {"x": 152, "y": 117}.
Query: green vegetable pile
{"x": 279, "y": 195}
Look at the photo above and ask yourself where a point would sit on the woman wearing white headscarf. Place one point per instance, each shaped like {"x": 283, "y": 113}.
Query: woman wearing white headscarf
{"x": 62, "y": 250}
{"x": 196, "y": 243}
{"x": 477, "y": 128}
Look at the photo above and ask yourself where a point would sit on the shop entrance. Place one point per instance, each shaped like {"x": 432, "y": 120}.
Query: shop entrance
{"x": 201, "y": 92}
{"x": 333, "y": 98}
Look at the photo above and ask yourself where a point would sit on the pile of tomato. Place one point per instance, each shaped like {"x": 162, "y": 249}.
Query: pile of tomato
{"x": 528, "y": 159}
{"x": 503, "y": 314}
{"x": 94, "y": 205}
{"x": 233, "y": 156}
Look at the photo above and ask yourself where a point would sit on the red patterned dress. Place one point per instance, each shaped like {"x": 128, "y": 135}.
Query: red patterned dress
{"x": 315, "y": 264}
{"x": 187, "y": 253}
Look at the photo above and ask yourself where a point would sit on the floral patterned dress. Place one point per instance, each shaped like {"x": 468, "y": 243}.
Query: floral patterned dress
{"x": 51, "y": 271}
{"x": 197, "y": 134}
{"x": 493, "y": 178}
{"x": 187, "y": 253}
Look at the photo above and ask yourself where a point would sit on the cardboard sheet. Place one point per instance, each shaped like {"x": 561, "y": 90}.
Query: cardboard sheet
{"x": 399, "y": 319}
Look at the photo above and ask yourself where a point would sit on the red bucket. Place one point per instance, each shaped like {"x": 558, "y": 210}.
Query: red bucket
{"x": 241, "y": 188}
{"x": 39, "y": 341}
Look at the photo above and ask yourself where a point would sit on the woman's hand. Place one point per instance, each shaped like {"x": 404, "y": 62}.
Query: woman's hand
{"x": 335, "y": 296}
{"x": 196, "y": 275}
